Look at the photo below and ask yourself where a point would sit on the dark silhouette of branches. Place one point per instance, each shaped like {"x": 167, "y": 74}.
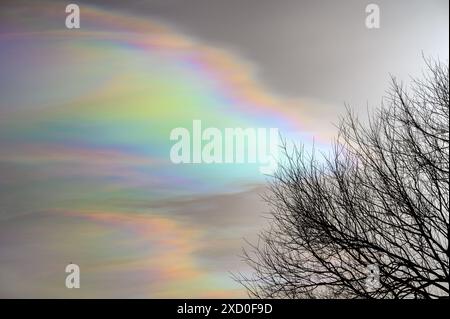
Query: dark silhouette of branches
{"x": 379, "y": 199}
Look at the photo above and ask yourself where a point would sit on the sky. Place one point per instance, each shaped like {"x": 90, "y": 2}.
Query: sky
{"x": 86, "y": 115}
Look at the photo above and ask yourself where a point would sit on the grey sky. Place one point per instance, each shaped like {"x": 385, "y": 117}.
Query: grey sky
{"x": 313, "y": 49}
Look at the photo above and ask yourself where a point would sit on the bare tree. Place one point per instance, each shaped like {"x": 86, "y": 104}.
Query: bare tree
{"x": 370, "y": 219}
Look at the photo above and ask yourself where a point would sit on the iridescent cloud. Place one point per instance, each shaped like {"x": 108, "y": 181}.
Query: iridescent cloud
{"x": 84, "y": 156}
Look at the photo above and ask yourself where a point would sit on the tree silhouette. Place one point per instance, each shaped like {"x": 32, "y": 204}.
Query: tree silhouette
{"x": 370, "y": 219}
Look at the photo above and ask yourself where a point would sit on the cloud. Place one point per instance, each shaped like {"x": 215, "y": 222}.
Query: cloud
{"x": 119, "y": 255}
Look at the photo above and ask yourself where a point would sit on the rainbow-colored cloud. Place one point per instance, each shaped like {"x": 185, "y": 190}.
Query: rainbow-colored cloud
{"x": 85, "y": 118}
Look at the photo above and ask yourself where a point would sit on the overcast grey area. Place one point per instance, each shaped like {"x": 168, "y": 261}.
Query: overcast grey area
{"x": 313, "y": 49}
